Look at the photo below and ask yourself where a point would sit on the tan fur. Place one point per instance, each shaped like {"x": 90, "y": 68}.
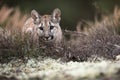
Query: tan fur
{"x": 33, "y": 24}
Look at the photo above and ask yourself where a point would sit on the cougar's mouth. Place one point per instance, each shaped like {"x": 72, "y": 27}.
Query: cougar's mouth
{"x": 50, "y": 38}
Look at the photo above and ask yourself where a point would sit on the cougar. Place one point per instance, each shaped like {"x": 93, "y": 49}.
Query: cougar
{"x": 46, "y": 27}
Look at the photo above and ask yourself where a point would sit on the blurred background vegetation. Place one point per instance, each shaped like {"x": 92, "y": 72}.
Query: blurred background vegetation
{"x": 72, "y": 10}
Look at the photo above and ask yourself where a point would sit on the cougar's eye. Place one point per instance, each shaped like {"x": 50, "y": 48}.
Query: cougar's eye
{"x": 41, "y": 28}
{"x": 51, "y": 27}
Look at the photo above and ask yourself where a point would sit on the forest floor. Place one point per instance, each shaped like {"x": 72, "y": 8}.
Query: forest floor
{"x": 51, "y": 69}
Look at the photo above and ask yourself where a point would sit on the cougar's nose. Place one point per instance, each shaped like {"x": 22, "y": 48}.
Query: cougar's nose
{"x": 46, "y": 36}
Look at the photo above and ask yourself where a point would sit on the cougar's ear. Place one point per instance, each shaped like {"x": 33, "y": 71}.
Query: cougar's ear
{"x": 56, "y": 15}
{"x": 35, "y": 15}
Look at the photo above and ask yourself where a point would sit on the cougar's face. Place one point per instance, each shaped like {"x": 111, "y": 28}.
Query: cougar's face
{"x": 46, "y": 28}
{"x": 47, "y": 25}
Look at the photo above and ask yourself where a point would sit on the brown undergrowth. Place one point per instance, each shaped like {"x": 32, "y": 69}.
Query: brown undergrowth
{"x": 14, "y": 43}
{"x": 11, "y": 22}
{"x": 100, "y": 40}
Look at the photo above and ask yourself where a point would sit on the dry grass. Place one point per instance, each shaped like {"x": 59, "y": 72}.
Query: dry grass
{"x": 100, "y": 39}
{"x": 13, "y": 43}
{"x": 11, "y": 22}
